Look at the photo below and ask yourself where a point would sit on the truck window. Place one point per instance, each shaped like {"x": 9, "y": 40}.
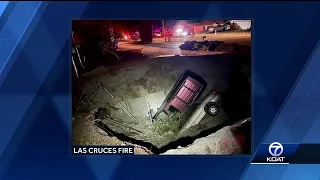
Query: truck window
{"x": 173, "y": 109}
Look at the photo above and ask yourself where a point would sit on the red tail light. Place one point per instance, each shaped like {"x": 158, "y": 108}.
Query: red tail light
{"x": 214, "y": 92}
{"x": 241, "y": 139}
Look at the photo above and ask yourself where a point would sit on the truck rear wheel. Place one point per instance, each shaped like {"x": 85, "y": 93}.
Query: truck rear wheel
{"x": 211, "y": 109}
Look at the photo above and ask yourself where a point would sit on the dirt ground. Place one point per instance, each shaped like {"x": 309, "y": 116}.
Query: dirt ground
{"x": 85, "y": 133}
{"x": 131, "y": 83}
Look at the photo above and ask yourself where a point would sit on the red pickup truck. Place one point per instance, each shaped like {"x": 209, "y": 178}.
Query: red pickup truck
{"x": 186, "y": 90}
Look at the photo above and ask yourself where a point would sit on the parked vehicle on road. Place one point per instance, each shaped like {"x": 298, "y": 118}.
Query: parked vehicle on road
{"x": 219, "y": 28}
{"x": 184, "y": 93}
{"x": 157, "y": 34}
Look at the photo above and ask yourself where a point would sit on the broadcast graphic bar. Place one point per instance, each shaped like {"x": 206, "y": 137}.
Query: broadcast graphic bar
{"x": 277, "y": 153}
{"x": 103, "y": 150}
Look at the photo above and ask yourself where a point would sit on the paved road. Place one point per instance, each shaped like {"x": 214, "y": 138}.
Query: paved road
{"x": 159, "y": 48}
{"x": 238, "y": 38}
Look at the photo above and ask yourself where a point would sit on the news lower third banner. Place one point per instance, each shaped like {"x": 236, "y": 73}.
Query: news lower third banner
{"x": 103, "y": 150}
{"x": 277, "y": 153}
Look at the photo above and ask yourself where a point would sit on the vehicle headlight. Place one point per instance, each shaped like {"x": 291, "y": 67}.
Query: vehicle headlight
{"x": 179, "y": 30}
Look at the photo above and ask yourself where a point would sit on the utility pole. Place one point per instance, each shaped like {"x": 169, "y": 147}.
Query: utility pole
{"x": 163, "y": 31}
